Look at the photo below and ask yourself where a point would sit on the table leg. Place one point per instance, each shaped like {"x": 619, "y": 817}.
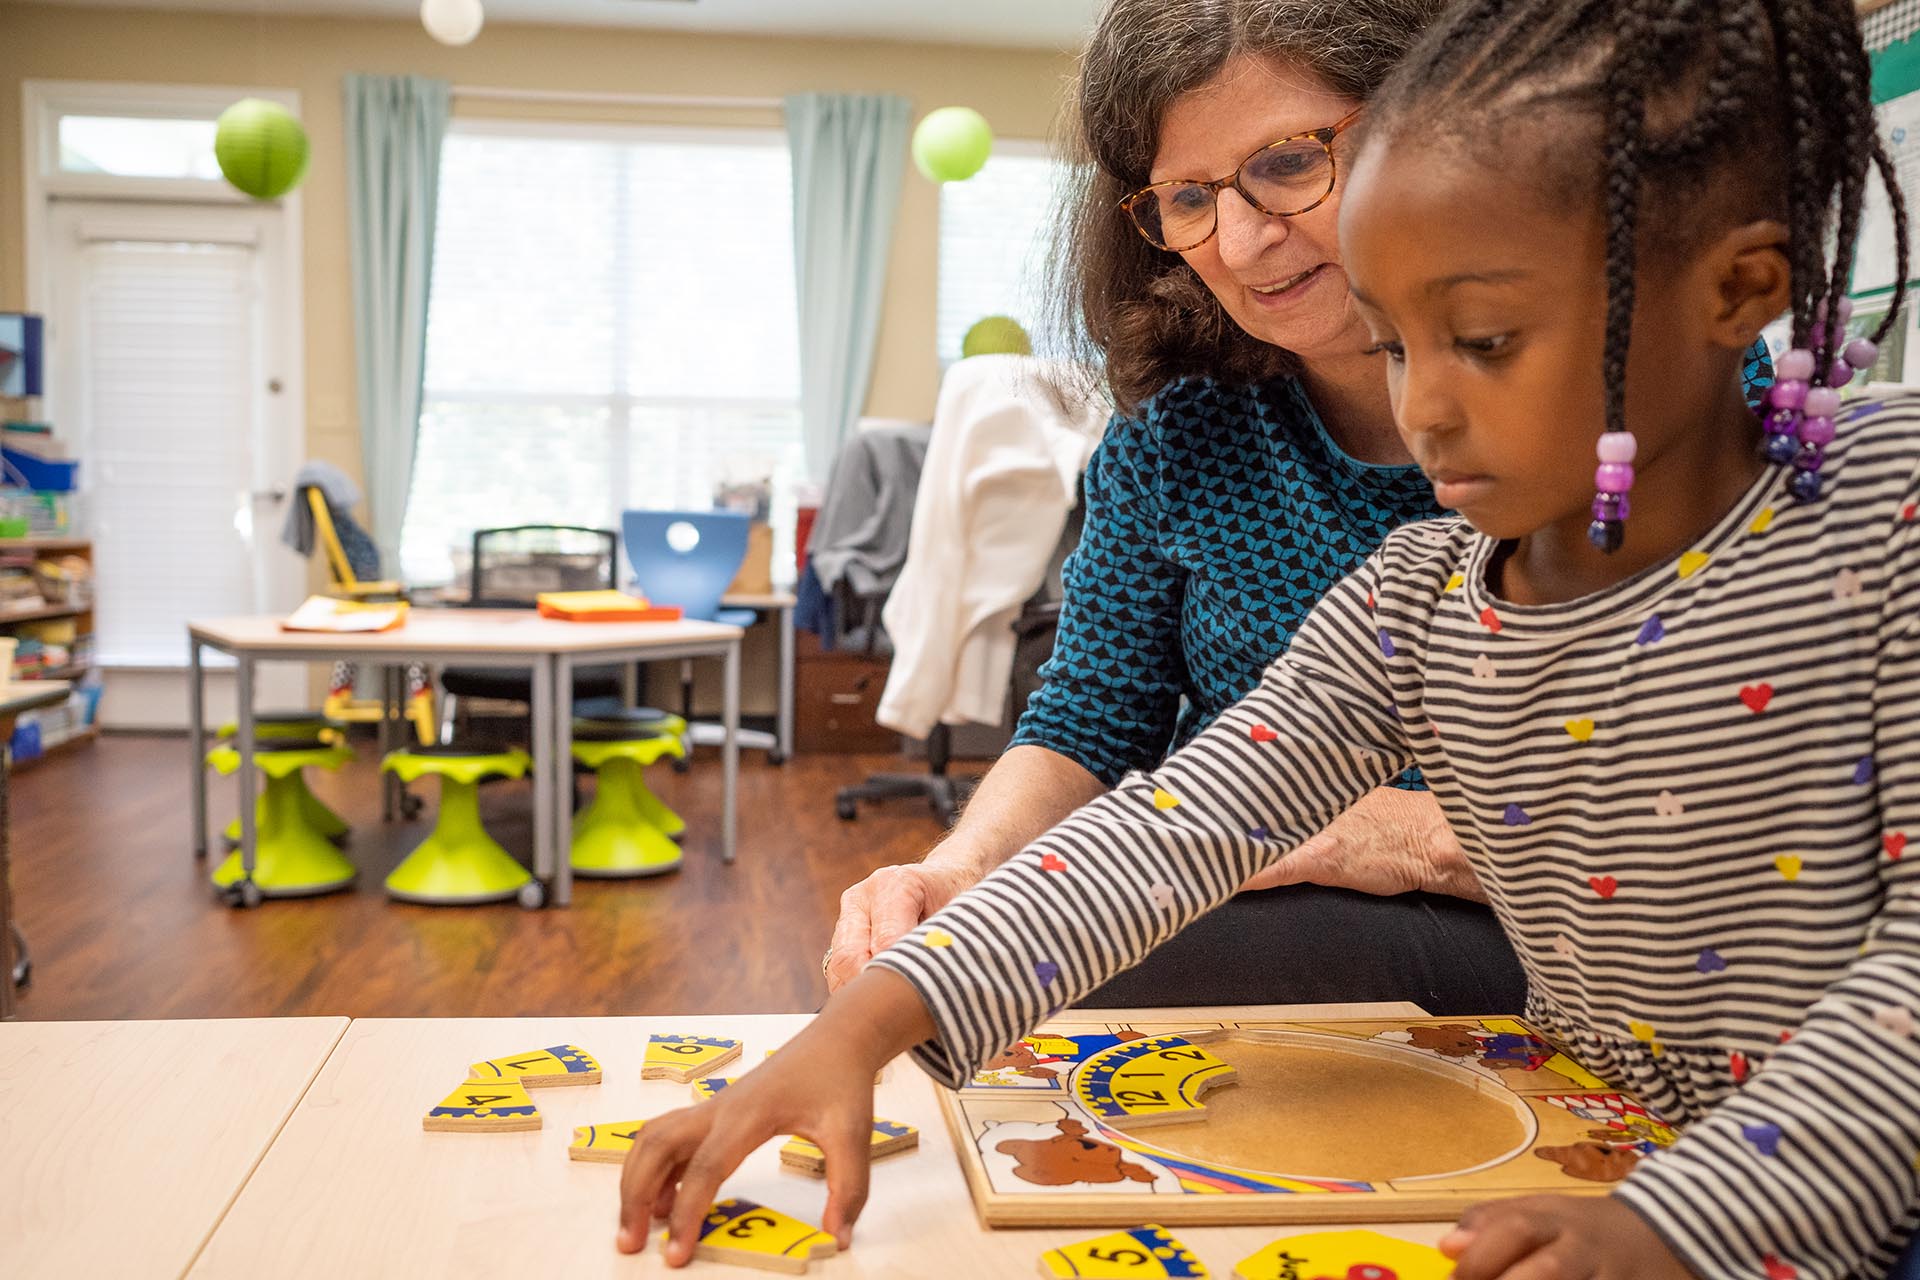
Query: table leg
{"x": 540, "y": 713}
{"x": 243, "y": 693}
{"x": 562, "y": 754}
{"x": 629, "y": 685}
{"x": 6, "y": 899}
{"x": 389, "y": 783}
{"x": 197, "y": 742}
{"x": 784, "y": 729}
{"x": 730, "y": 754}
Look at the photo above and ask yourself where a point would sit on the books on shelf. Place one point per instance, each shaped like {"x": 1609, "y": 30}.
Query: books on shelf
{"x": 324, "y": 613}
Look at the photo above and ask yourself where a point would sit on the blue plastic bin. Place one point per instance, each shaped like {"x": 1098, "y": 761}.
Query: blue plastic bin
{"x": 30, "y": 471}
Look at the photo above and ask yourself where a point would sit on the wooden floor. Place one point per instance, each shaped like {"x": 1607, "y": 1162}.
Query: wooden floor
{"x": 121, "y": 923}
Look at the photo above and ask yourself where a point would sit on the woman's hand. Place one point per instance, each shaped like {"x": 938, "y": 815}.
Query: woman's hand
{"x": 880, "y": 910}
{"x": 1558, "y": 1238}
{"x": 1391, "y": 841}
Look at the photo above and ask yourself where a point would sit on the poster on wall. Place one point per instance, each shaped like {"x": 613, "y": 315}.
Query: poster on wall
{"x": 20, "y": 355}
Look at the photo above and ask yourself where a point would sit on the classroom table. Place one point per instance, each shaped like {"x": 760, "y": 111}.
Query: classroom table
{"x": 15, "y": 697}
{"x": 122, "y": 1144}
{"x": 781, "y": 605}
{"x": 548, "y": 649}
{"x": 354, "y": 1187}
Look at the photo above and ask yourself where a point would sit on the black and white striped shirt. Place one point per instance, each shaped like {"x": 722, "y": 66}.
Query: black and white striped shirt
{"x": 1688, "y": 797}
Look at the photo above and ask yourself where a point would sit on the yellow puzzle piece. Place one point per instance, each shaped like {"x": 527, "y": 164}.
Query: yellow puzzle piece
{"x": 750, "y": 1235}
{"x": 484, "y": 1106}
{"x": 562, "y": 1064}
{"x": 1150, "y": 1081}
{"x": 704, "y": 1089}
{"x": 888, "y": 1139}
{"x": 604, "y": 1143}
{"x": 1344, "y": 1255}
{"x": 686, "y": 1058}
{"x": 1145, "y": 1253}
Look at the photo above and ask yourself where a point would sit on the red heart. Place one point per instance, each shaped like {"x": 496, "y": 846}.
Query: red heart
{"x": 1605, "y": 886}
{"x": 1895, "y": 843}
{"x": 1785, "y": 1036}
{"x": 1906, "y": 512}
{"x": 1489, "y": 619}
{"x": 1757, "y": 696}
{"x": 1778, "y": 1270}
{"x": 1369, "y": 599}
{"x": 1738, "y": 1062}
{"x": 1052, "y": 862}
{"x": 1260, "y": 733}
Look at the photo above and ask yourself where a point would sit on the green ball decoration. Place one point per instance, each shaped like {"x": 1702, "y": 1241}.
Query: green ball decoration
{"x": 996, "y": 336}
{"x": 261, "y": 148}
{"x": 952, "y": 143}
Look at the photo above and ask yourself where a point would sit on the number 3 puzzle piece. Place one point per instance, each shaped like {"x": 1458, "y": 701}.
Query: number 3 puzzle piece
{"x": 751, "y": 1235}
{"x": 604, "y": 1143}
{"x": 1142, "y": 1253}
{"x": 562, "y": 1064}
{"x": 484, "y": 1106}
{"x": 686, "y": 1058}
{"x": 1344, "y": 1255}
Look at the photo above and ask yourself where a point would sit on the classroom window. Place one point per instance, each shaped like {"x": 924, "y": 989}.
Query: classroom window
{"x": 996, "y": 231}
{"x": 611, "y": 325}
{"x": 138, "y": 146}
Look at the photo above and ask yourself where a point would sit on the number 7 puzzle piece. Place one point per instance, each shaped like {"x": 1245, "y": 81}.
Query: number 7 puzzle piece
{"x": 562, "y": 1064}
{"x": 1344, "y": 1255}
{"x": 751, "y": 1235}
{"x": 484, "y": 1106}
{"x": 686, "y": 1058}
{"x": 1140, "y": 1253}
{"x": 888, "y": 1139}
{"x": 604, "y": 1143}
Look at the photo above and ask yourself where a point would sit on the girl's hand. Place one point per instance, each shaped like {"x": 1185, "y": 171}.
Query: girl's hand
{"x": 1391, "y": 841}
{"x": 1558, "y": 1238}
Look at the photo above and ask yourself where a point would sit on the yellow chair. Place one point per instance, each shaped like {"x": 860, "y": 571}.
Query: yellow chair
{"x": 340, "y": 703}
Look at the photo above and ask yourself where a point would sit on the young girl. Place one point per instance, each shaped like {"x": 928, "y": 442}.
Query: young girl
{"x": 1675, "y": 723}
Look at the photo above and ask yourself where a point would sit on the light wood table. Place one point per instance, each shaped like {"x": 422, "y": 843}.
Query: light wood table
{"x": 123, "y": 1143}
{"x": 547, "y": 648}
{"x": 354, "y": 1187}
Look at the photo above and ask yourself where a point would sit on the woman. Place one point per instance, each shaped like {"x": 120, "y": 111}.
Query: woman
{"x": 1254, "y": 462}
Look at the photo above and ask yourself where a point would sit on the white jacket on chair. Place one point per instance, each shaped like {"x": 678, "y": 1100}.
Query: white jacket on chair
{"x": 999, "y": 480}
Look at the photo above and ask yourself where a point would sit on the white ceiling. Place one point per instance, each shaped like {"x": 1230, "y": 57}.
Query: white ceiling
{"x": 1033, "y": 24}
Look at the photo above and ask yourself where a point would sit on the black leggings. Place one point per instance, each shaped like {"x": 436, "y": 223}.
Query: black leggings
{"x": 1306, "y": 944}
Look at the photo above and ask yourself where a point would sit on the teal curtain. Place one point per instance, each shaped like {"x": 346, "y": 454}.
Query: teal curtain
{"x": 394, "y": 128}
{"x": 849, "y": 151}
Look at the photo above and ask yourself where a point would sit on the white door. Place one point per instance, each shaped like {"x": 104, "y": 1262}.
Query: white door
{"x": 170, "y": 358}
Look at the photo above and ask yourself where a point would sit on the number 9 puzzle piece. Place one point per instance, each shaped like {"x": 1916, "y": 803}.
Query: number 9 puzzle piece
{"x": 750, "y": 1235}
{"x": 686, "y": 1058}
{"x": 1344, "y": 1255}
{"x": 1142, "y": 1253}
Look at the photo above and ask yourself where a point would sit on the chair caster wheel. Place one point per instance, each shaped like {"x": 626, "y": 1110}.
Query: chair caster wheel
{"x": 410, "y": 805}
{"x": 776, "y": 756}
{"x": 845, "y": 808}
{"x": 681, "y": 764}
{"x": 243, "y": 894}
{"x": 533, "y": 895}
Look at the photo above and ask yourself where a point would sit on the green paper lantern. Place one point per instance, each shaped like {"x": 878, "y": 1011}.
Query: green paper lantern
{"x": 996, "y": 336}
{"x": 952, "y": 143}
{"x": 261, "y": 148}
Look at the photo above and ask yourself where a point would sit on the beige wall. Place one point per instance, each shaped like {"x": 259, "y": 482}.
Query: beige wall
{"x": 1018, "y": 91}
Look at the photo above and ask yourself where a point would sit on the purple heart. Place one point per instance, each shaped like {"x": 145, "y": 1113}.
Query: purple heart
{"x": 1863, "y": 772}
{"x": 1046, "y": 971}
{"x": 1764, "y": 1137}
{"x": 1653, "y": 631}
{"x": 1258, "y": 833}
{"x": 1710, "y": 961}
{"x": 1386, "y": 642}
{"x": 1515, "y": 816}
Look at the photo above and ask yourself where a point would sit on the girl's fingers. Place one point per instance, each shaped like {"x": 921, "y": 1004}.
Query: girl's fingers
{"x": 647, "y": 1177}
{"x": 849, "y": 1163}
{"x": 720, "y": 1152}
{"x": 1501, "y": 1243}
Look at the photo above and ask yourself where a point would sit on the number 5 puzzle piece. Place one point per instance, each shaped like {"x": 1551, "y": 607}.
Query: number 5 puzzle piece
{"x": 751, "y": 1235}
{"x": 484, "y": 1106}
{"x": 1141, "y": 1253}
{"x": 686, "y": 1058}
{"x": 562, "y": 1064}
{"x": 604, "y": 1143}
{"x": 1344, "y": 1255}
{"x": 888, "y": 1139}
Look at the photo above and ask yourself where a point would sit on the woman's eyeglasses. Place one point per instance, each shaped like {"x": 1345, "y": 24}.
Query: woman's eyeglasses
{"x": 1281, "y": 179}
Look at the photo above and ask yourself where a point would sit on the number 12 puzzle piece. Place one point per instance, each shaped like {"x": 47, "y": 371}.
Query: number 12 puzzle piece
{"x": 604, "y": 1143}
{"x": 562, "y": 1064}
{"x": 888, "y": 1139}
{"x": 1344, "y": 1255}
{"x": 1141, "y": 1253}
{"x": 750, "y": 1235}
{"x": 686, "y": 1058}
{"x": 484, "y": 1106}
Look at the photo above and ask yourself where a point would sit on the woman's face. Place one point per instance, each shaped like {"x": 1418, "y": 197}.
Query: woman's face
{"x": 1279, "y": 278}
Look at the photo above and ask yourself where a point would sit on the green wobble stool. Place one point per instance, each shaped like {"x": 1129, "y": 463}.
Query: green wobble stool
{"x": 640, "y": 722}
{"x": 616, "y": 836}
{"x": 459, "y": 864}
{"x": 292, "y": 857}
{"x": 306, "y": 726}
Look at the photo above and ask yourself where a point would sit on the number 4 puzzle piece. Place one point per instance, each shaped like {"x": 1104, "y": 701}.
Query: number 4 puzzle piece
{"x": 1344, "y": 1255}
{"x": 604, "y": 1143}
{"x": 1141, "y": 1253}
{"x": 888, "y": 1139}
{"x": 686, "y": 1058}
{"x": 484, "y": 1106}
{"x": 562, "y": 1064}
{"x": 751, "y": 1235}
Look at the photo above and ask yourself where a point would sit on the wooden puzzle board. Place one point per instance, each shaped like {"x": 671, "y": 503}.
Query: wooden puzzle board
{"x": 1400, "y": 1119}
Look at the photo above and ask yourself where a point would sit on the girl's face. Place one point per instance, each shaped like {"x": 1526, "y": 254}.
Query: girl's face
{"x": 1280, "y": 279}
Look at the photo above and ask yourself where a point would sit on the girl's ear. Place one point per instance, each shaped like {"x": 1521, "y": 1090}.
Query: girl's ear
{"x": 1751, "y": 280}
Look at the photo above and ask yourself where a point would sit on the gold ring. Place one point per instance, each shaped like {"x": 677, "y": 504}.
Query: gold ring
{"x": 826, "y": 959}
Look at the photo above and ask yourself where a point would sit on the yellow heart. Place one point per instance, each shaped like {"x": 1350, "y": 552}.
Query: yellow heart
{"x": 1762, "y": 522}
{"x": 1692, "y": 562}
{"x": 1642, "y": 1031}
{"x": 1456, "y": 582}
{"x": 1580, "y": 729}
{"x": 1164, "y": 799}
{"x": 937, "y": 938}
{"x": 1787, "y": 865}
